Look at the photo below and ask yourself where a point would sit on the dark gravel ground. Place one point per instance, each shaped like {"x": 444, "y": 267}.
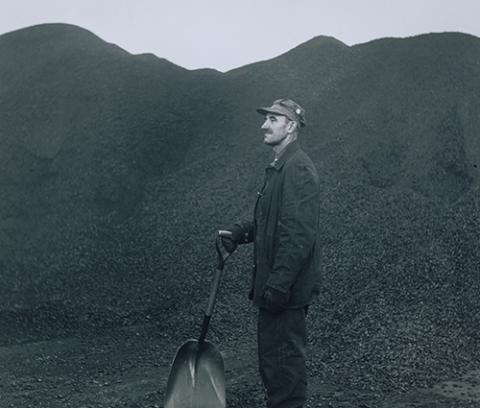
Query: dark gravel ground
{"x": 108, "y": 364}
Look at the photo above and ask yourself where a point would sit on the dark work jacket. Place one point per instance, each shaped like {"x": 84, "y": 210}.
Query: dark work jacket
{"x": 285, "y": 229}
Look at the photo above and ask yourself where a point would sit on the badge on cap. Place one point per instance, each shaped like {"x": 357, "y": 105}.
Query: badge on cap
{"x": 298, "y": 111}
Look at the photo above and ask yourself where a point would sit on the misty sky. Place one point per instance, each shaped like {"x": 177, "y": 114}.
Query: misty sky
{"x": 225, "y": 34}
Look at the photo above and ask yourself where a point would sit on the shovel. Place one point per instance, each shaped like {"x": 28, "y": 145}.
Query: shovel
{"x": 197, "y": 375}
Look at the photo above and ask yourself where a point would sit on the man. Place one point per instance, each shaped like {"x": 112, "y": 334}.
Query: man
{"x": 284, "y": 232}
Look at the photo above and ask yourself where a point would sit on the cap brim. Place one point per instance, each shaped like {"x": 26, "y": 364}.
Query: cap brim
{"x": 265, "y": 111}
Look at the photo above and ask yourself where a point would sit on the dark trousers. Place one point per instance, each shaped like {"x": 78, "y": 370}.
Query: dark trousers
{"x": 281, "y": 353}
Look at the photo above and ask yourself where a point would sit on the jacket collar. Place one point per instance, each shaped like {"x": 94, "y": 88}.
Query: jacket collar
{"x": 285, "y": 154}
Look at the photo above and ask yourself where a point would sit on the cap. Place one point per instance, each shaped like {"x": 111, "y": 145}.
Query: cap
{"x": 285, "y": 107}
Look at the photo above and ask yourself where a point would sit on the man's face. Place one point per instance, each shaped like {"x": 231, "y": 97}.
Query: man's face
{"x": 276, "y": 129}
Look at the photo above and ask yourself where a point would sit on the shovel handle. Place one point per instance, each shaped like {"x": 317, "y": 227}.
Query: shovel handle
{"x": 210, "y": 304}
{"x": 214, "y": 288}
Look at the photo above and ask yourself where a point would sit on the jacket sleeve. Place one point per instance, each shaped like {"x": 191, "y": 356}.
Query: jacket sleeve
{"x": 297, "y": 225}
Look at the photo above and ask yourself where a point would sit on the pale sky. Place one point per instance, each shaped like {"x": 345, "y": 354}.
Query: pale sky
{"x": 226, "y": 34}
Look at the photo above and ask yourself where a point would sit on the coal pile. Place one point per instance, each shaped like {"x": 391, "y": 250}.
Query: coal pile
{"x": 117, "y": 170}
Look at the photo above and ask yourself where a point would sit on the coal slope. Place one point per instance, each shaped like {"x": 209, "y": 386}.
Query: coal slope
{"x": 117, "y": 170}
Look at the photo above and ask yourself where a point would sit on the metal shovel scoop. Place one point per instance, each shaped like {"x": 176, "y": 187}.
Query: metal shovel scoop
{"x": 197, "y": 375}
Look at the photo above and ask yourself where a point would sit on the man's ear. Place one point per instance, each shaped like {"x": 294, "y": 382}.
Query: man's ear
{"x": 292, "y": 125}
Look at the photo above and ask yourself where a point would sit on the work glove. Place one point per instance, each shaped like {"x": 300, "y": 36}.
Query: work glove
{"x": 274, "y": 301}
{"x": 229, "y": 244}
{"x": 231, "y": 238}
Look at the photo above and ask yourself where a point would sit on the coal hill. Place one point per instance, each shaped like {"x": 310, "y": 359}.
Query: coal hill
{"x": 117, "y": 170}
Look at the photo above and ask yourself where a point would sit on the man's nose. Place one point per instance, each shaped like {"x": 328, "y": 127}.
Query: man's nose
{"x": 265, "y": 125}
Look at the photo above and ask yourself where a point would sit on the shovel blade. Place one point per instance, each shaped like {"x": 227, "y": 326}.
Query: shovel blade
{"x": 197, "y": 377}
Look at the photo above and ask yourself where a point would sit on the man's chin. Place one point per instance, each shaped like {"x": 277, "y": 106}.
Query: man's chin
{"x": 268, "y": 142}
